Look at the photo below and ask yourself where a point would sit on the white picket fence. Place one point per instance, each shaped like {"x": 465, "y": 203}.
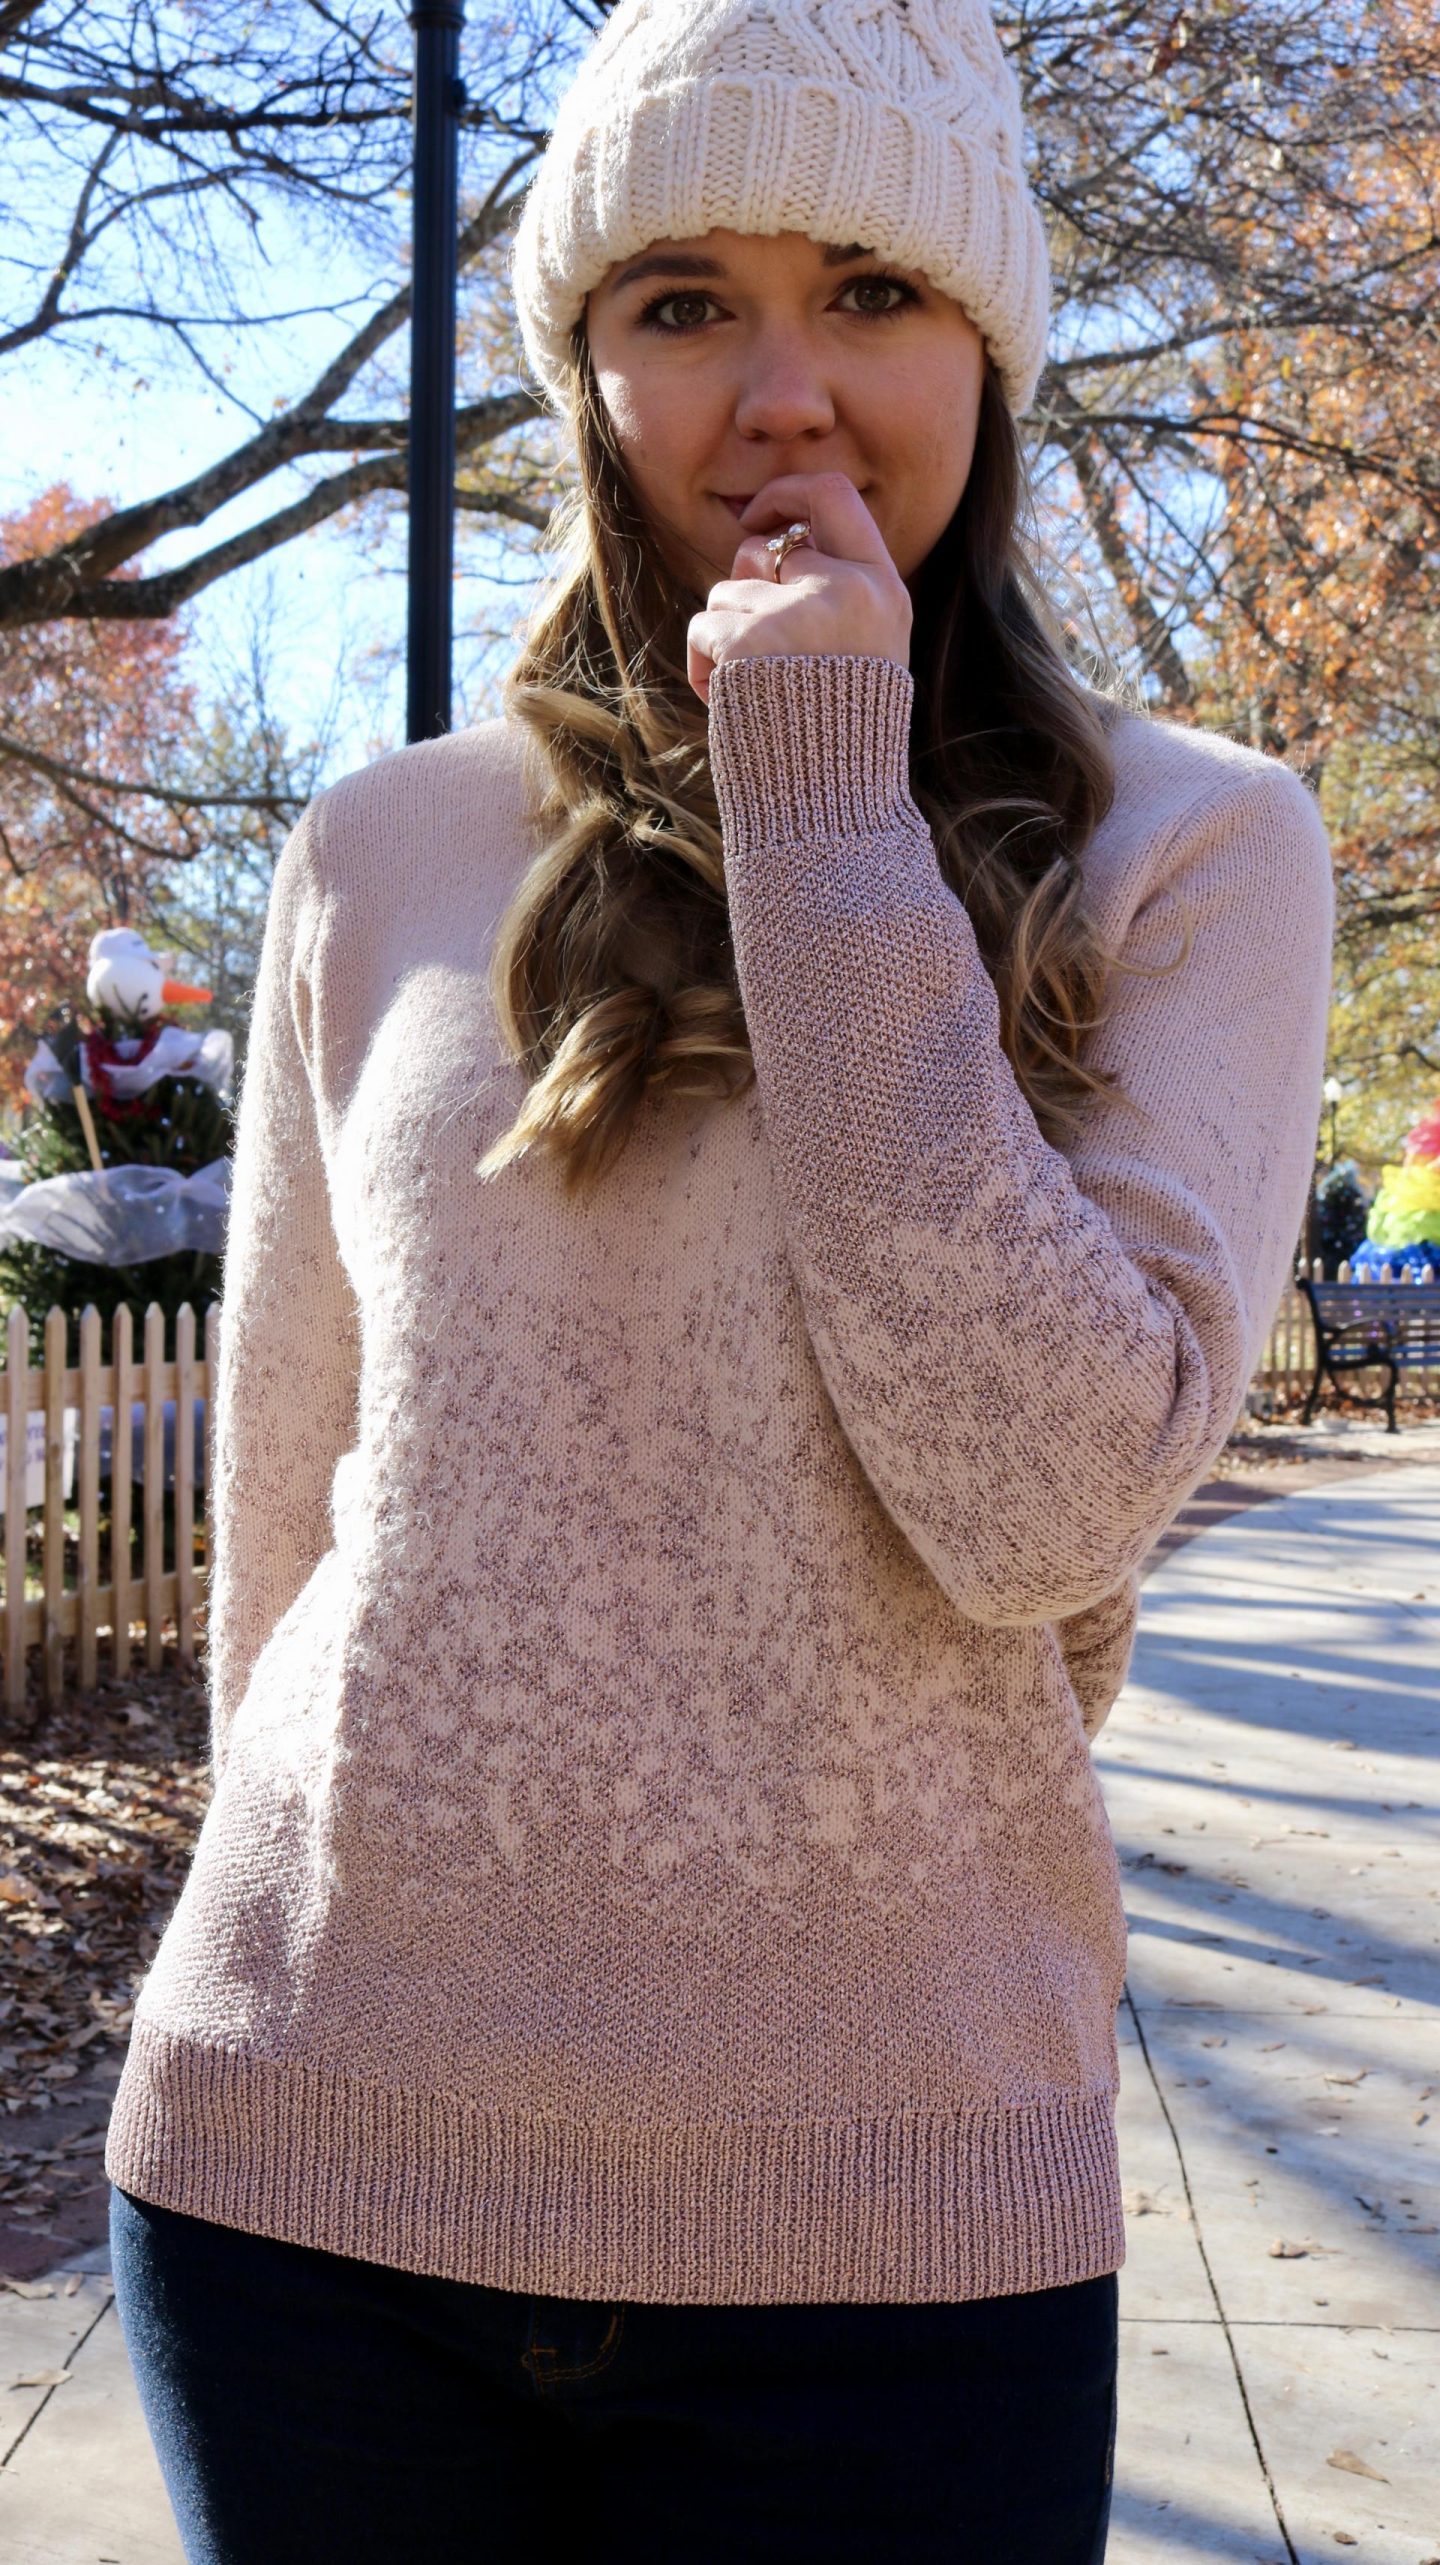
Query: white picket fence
{"x": 78, "y": 1405}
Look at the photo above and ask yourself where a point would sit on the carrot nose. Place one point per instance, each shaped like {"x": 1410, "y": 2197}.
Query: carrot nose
{"x": 178, "y": 993}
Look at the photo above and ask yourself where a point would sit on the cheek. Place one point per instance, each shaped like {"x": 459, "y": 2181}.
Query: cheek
{"x": 946, "y": 410}
{"x": 655, "y": 428}
{"x": 937, "y": 432}
{"x": 617, "y": 391}
{"x": 951, "y": 452}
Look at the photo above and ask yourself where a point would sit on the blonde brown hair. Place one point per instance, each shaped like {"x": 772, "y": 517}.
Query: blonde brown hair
{"x": 613, "y": 971}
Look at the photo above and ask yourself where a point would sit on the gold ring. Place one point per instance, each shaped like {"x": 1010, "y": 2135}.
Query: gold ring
{"x": 780, "y": 546}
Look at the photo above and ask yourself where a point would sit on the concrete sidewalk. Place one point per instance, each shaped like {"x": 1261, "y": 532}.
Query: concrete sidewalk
{"x": 1271, "y": 1775}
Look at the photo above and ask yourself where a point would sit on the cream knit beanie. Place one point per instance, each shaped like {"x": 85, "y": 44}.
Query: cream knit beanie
{"x": 895, "y": 123}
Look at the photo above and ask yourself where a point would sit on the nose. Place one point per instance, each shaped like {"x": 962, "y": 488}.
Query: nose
{"x": 782, "y": 392}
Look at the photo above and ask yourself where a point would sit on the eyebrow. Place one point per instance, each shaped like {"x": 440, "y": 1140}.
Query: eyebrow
{"x": 687, "y": 262}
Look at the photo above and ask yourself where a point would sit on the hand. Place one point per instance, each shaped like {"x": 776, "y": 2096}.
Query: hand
{"x": 839, "y": 594}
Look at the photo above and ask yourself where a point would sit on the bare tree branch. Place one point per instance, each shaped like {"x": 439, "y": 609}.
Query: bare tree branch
{"x": 60, "y": 771}
{"x": 1075, "y": 432}
{"x": 132, "y": 600}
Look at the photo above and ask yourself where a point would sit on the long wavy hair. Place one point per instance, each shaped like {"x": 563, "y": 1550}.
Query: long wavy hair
{"x": 613, "y": 971}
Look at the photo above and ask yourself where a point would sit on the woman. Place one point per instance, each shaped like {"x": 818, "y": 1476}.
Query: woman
{"x": 761, "y": 1181}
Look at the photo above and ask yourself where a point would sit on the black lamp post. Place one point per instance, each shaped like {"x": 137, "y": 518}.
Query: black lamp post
{"x": 1333, "y": 1092}
{"x": 438, "y": 100}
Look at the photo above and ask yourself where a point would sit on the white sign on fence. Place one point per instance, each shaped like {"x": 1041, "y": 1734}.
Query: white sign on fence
{"x": 35, "y": 1449}
{"x": 35, "y": 1454}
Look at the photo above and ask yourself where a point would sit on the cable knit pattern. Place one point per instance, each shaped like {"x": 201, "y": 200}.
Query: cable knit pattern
{"x": 656, "y": 1639}
{"x": 894, "y": 123}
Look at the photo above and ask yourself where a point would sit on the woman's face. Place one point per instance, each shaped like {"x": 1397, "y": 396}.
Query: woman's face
{"x": 727, "y": 360}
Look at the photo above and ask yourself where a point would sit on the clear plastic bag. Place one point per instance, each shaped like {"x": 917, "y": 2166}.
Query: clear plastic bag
{"x": 119, "y": 1215}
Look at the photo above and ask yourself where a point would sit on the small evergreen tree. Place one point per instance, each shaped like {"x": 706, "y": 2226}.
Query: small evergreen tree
{"x": 1342, "y": 1210}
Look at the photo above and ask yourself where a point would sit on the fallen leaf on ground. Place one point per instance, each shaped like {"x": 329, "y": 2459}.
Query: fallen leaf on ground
{"x": 1353, "y": 2466}
{"x": 104, "y": 1814}
{"x": 1283, "y": 2252}
{"x": 42, "y": 2378}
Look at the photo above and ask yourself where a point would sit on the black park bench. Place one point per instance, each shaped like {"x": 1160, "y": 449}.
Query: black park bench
{"x": 1363, "y": 1326}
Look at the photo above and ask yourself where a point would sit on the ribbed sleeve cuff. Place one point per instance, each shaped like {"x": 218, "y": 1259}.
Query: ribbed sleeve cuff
{"x": 810, "y": 748}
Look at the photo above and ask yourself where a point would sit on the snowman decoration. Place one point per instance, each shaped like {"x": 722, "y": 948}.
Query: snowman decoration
{"x": 134, "y": 1066}
{"x": 126, "y": 978}
{"x": 128, "y": 985}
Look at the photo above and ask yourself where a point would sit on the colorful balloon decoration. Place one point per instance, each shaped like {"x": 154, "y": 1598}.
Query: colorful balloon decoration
{"x": 1404, "y": 1220}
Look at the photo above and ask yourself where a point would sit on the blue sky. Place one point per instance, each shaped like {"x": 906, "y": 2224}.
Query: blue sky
{"x": 333, "y": 604}
{"x": 126, "y": 412}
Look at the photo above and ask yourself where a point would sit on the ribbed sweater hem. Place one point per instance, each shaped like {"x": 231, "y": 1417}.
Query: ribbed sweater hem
{"x": 917, "y": 2205}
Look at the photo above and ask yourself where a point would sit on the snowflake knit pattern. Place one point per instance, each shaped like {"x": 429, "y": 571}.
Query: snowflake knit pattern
{"x": 656, "y": 1639}
{"x": 892, "y": 123}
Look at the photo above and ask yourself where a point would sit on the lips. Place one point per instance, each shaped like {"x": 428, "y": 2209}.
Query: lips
{"x": 738, "y": 506}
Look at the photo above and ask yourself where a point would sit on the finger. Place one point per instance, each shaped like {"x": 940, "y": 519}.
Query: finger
{"x": 704, "y": 642}
{"x": 754, "y": 559}
{"x": 734, "y": 611}
{"x": 840, "y": 523}
{"x": 735, "y": 598}
{"x": 729, "y": 596}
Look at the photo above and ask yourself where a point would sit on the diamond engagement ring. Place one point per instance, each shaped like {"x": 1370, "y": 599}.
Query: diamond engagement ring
{"x": 780, "y": 546}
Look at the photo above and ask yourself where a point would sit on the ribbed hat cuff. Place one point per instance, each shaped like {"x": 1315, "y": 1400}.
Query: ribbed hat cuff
{"x": 722, "y": 154}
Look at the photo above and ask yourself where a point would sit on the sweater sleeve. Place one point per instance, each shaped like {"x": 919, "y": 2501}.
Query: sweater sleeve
{"x": 1035, "y": 1356}
{"x": 287, "y": 1375}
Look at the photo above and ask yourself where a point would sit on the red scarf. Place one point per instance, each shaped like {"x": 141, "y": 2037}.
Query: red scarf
{"x": 101, "y": 1056}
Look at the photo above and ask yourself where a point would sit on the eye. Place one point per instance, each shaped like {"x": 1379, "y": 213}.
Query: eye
{"x": 872, "y": 288}
{"x": 691, "y": 309}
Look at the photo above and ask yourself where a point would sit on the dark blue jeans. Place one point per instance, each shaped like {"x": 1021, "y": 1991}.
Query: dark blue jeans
{"x": 306, "y": 2407}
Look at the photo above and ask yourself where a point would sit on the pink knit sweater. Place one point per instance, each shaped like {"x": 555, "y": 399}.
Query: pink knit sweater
{"x": 656, "y": 1640}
